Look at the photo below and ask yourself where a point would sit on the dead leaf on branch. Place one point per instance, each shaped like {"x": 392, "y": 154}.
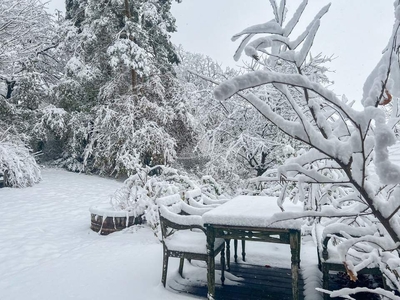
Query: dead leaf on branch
{"x": 386, "y": 100}
{"x": 352, "y": 275}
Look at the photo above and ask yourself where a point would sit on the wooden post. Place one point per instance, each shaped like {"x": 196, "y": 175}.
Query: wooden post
{"x": 295, "y": 243}
{"x": 210, "y": 262}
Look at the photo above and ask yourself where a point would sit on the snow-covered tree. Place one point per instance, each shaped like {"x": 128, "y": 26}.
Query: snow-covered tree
{"x": 26, "y": 34}
{"x": 119, "y": 80}
{"x": 342, "y": 141}
{"x": 27, "y": 72}
{"x": 236, "y": 140}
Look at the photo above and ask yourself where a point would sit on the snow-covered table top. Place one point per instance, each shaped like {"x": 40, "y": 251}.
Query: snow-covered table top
{"x": 254, "y": 211}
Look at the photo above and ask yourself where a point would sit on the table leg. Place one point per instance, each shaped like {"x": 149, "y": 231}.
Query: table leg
{"x": 223, "y": 266}
{"x": 210, "y": 263}
{"x": 244, "y": 250}
{"x": 235, "y": 244}
{"x": 228, "y": 255}
{"x": 295, "y": 243}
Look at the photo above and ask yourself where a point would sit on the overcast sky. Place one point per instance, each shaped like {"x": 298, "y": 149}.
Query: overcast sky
{"x": 354, "y": 31}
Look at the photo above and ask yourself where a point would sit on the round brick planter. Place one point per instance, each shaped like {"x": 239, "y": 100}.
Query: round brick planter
{"x": 105, "y": 220}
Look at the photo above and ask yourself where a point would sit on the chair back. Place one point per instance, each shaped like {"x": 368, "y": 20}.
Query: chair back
{"x": 197, "y": 198}
{"x": 175, "y": 214}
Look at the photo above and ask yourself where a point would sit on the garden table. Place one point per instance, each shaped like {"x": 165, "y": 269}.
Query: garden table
{"x": 253, "y": 218}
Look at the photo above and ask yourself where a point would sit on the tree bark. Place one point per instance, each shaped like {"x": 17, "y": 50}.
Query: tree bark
{"x": 10, "y": 88}
{"x": 133, "y": 72}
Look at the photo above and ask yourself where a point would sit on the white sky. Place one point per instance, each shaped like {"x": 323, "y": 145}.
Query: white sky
{"x": 354, "y": 31}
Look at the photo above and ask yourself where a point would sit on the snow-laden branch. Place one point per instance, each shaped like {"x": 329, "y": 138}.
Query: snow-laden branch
{"x": 257, "y": 78}
{"x": 345, "y": 142}
{"x": 346, "y": 292}
{"x": 270, "y": 27}
{"x": 385, "y": 76}
{"x": 295, "y": 19}
{"x": 295, "y": 43}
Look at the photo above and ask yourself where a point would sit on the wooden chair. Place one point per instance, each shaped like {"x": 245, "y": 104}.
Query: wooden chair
{"x": 195, "y": 198}
{"x": 328, "y": 257}
{"x": 183, "y": 234}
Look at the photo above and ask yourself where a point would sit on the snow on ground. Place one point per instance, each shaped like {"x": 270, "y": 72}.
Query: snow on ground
{"x": 47, "y": 250}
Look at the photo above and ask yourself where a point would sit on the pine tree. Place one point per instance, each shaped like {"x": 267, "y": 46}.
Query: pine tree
{"x": 119, "y": 80}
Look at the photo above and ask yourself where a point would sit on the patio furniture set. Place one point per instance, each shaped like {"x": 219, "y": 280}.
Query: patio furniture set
{"x": 199, "y": 230}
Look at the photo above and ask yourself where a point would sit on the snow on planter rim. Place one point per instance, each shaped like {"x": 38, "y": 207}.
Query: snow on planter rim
{"x": 106, "y": 210}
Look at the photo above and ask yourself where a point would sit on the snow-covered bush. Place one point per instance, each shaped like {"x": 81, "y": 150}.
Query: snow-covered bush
{"x": 140, "y": 191}
{"x": 17, "y": 164}
{"x": 342, "y": 141}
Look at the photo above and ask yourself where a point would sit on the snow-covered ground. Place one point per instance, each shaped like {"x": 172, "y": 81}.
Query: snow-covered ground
{"x": 47, "y": 250}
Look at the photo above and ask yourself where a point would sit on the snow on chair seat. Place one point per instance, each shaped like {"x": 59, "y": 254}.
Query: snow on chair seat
{"x": 189, "y": 241}
{"x": 183, "y": 234}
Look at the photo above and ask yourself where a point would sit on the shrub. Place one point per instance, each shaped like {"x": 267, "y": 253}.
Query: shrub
{"x": 17, "y": 164}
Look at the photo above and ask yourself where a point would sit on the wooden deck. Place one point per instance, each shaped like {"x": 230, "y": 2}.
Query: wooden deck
{"x": 248, "y": 282}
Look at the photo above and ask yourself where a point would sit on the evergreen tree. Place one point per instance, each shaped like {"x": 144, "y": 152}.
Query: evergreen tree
{"x": 119, "y": 93}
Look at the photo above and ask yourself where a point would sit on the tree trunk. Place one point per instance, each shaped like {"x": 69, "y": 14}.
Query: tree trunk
{"x": 133, "y": 72}
{"x": 369, "y": 201}
{"x": 10, "y": 88}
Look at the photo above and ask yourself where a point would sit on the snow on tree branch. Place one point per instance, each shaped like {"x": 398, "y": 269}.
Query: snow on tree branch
{"x": 347, "y": 175}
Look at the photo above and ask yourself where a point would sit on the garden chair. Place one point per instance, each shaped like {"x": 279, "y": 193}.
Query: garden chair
{"x": 183, "y": 234}
{"x": 196, "y": 195}
{"x": 195, "y": 198}
{"x": 328, "y": 256}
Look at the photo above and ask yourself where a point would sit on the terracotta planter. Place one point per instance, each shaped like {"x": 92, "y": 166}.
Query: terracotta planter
{"x": 105, "y": 220}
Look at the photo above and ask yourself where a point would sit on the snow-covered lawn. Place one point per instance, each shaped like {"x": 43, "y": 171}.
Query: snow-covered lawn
{"x": 47, "y": 250}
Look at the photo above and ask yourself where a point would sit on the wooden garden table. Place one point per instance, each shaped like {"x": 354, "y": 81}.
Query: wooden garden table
{"x": 253, "y": 218}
